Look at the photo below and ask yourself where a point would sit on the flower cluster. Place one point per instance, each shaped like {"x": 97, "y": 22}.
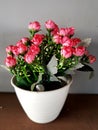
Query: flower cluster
{"x": 29, "y": 59}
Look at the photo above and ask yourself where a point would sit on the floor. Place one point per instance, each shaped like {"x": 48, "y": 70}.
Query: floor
{"x": 80, "y": 112}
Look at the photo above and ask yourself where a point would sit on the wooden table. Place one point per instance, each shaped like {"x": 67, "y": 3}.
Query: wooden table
{"x": 79, "y": 113}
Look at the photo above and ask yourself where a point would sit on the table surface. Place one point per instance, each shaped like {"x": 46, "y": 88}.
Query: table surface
{"x": 80, "y": 112}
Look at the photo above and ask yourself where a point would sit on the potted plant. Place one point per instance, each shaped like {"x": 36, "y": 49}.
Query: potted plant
{"x": 42, "y": 65}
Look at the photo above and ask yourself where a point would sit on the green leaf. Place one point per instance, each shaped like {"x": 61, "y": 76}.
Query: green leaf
{"x": 22, "y": 82}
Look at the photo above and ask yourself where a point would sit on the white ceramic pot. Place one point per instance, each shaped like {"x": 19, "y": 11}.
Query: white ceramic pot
{"x": 42, "y": 107}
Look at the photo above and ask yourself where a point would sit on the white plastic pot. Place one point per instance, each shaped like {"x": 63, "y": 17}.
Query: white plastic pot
{"x": 42, "y": 107}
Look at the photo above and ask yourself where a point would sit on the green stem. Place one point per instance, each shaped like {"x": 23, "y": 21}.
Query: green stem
{"x": 24, "y": 72}
{"x": 31, "y": 68}
{"x": 31, "y": 33}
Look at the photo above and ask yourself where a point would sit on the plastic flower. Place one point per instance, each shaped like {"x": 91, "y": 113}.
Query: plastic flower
{"x": 69, "y": 31}
{"x": 57, "y": 39}
{"x": 35, "y": 26}
{"x": 66, "y": 51}
{"x": 79, "y": 51}
{"x": 37, "y": 39}
{"x": 50, "y": 25}
{"x": 15, "y": 50}
{"x": 35, "y": 49}
{"x": 25, "y": 40}
{"x": 9, "y": 49}
{"x": 22, "y": 48}
{"x": 29, "y": 57}
{"x": 10, "y": 61}
{"x": 92, "y": 59}
{"x": 39, "y": 58}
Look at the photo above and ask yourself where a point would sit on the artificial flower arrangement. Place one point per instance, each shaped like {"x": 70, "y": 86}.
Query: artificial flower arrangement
{"x": 42, "y": 58}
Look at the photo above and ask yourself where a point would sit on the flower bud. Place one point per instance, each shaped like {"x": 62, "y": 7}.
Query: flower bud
{"x": 50, "y": 25}
{"x": 34, "y": 26}
{"x": 10, "y": 61}
{"x": 37, "y": 39}
{"x": 92, "y": 59}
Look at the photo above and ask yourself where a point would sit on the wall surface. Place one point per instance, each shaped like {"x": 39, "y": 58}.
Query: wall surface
{"x": 82, "y": 14}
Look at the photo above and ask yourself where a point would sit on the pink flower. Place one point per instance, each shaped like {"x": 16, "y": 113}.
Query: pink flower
{"x": 29, "y": 57}
{"x": 69, "y": 31}
{"x": 76, "y": 41}
{"x": 10, "y": 61}
{"x": 57, "y": 39}
{"x": 9, "y": 49}
{"x": 62, "y": 32}
{"x": 18, "y": 43}
{"x": 50, "y": 24}
{"x": 25, "y": 40}
{"x": 67, "y": 42}
{"x": 37, "y": 39}
{"x": 22, "y": 48}
{"x": 92, "y": 59}
{"x": 15, "y": 50}
{"x": 79, "y": 51}
{"x": 35, "y": 49}
{"x": 55, "y": 30}
{"x": 70, "y": 42}
{"x": 34, "y": 26}
{"x": 66, "y": 51}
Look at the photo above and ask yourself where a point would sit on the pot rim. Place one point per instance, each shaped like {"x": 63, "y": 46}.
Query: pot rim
{"x": 70, "y": 80}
